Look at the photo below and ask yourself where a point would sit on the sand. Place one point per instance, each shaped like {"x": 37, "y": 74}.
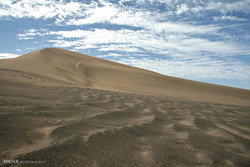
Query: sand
{"x": 68, "y": 109}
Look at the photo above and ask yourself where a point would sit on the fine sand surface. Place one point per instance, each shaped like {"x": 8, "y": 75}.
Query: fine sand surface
{"x": 68, "y": 109}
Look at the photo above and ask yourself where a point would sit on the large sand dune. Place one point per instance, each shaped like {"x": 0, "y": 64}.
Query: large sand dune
{"x": 65, "y": 109}
{"x": 82, "y": 70}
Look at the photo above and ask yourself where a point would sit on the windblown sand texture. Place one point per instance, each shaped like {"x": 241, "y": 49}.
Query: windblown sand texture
{"x": 70, "y": 109}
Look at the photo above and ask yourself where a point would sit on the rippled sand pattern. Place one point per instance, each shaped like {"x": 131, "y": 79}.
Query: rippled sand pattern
{"x": 70, "y": 126}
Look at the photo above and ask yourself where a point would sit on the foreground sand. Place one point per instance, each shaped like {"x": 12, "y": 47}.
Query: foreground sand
{"x": 53, "y": 119}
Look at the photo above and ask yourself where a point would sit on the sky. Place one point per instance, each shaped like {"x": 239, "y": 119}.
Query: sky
{"x": 202, "y": 40}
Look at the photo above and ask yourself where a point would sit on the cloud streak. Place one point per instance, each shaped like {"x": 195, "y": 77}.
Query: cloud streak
{"x": 197, "y": 69}
{"x": 137, "y": 41}
{"x": 8, "y": 55}
{"x": 43, "y": 9}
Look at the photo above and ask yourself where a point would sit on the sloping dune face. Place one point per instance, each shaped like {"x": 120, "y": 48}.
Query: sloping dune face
{"x": 86, "y": 71}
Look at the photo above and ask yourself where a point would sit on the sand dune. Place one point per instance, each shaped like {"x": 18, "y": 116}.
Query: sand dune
{"x": 82, "y": 70}
{"x": 60, "y": 108}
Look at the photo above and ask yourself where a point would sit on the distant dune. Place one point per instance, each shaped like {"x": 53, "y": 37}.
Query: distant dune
{"x": 77, "y": 69}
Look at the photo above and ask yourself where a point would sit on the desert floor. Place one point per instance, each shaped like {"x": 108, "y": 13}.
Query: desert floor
{"x": 71, "y": 126}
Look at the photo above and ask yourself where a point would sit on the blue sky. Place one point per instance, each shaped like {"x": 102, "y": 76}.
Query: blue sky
{"x": 203, "y": 40}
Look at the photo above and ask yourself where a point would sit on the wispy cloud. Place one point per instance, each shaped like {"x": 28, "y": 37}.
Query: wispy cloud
{"x": 232, "y": 18}
{"x": 145, "y": 19}
{"x": 43, "y": 9}
{"x": 229, "y": 7}
{"x": 182, "y": 8}
{"x": 198, "y": 69}
{"x": 8, "y": 55}
{"x": 100, "y": 11}
{"x": 138, "y": 41}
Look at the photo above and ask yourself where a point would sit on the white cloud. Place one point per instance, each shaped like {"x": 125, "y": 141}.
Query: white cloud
{"x": 124, "y": 40}
{"x": 182, "y": 8}
{"x": 202, "y": 68}
{"x": 29, "y": 34}
{"x": 232, "y": 18}
{"x": 237, "y": 6}
{"x": 64, "y": 43}
{"x": 216, "y": 47}
{"x": 110, "y": 55}
{"x": 100, "y": 11}
{"x": 44, "y": 9}
{"x": 149, "y": 20}
{"x": 8, "y": 55}
{"x": 96, "y": 14}
{"x": 76, "y": 13}
{"x": 119, "y": 47}
{"x": 223, "y": 7}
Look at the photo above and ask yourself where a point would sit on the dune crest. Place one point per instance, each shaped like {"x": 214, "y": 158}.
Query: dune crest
{"x": 77, "y": 69}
